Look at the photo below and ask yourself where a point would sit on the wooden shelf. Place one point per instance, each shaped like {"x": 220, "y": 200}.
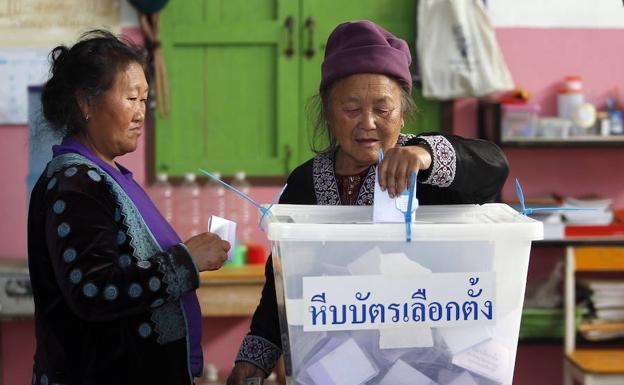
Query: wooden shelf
{"x": 599, "y": 360}
{"x": 574, "y": 141}
{"x": 232, "y": 291}
{"x": 489, "y": 127}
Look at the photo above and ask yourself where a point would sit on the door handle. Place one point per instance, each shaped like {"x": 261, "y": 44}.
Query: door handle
{"x": 310, "y": 24}
{"x": 290, "y": 26}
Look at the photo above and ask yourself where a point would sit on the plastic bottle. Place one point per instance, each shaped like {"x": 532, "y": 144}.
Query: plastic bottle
{"x": 162, "y": 195}
{"x": 213, "y": 197}
{"x": 188, "y": 207}
{"x": 569, "y": 99}
{"x": 239, "y": 209}
{"x": 271, "y": 379}
{"x": 211, "y": 375}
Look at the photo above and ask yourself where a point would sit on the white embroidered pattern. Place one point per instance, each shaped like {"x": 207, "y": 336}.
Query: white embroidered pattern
{"x": 326, "y": 187}
{"x": 324, "y": 179}
{"x": 260, "y": 352}
{"x": 444, "y": 161}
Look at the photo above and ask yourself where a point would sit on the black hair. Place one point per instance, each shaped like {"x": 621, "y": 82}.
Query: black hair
{"x": 86, "y": 70}
{"x": 317, "y": 112}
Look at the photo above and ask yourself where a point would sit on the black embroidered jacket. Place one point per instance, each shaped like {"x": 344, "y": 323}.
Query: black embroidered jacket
{"x": 107, "y": 299}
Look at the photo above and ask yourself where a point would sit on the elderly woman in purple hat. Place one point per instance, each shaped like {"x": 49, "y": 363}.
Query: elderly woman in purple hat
{"x": 364, "y": 97}
{"x": 114, "y": 286}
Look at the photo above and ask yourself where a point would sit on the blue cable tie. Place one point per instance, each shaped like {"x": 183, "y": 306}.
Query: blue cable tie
{"x": 408, "y": 213}
{"x": 232, "y": 188}
{"x": 526, "y": 211}
{"x": 265, "y": 211}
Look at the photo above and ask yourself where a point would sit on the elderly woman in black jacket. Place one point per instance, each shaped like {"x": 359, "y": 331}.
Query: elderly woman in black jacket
{"x": 363, "y": 98}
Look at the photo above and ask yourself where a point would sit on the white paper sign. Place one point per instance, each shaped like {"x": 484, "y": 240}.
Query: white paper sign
{"x": 403, "y": 338}
{"x": 384, "y": 301}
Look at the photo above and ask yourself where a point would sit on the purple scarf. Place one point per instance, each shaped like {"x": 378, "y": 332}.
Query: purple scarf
{"x": 163, "y": 232}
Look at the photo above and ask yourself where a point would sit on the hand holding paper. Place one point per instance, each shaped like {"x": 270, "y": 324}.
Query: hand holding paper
{"x": 225, "y": 229}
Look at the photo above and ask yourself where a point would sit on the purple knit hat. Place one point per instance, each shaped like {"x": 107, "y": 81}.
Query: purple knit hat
{"x": 362, "y": 46}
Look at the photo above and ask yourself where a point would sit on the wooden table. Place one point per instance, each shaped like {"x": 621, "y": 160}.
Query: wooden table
{"x": 231, "y": 291}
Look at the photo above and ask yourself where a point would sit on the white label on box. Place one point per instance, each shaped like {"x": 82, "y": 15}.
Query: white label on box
{"x": 403, "y": 338}
{"x": 387, "y": 301}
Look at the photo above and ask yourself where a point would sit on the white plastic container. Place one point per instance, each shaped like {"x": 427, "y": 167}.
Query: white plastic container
{"x": 567, "y": 101}
{"x": 519, "y": 120}
{"x": 554, "y": 128}
{"x": 360, "y": 305}
{"x": 188, "y": 209}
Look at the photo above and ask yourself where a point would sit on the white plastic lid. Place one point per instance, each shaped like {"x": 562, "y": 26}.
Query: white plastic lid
{"x": 190, "y": 177}
{"x": 492, "y": 221}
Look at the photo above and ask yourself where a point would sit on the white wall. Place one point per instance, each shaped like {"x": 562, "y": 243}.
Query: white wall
{"x": 557, "y": 13}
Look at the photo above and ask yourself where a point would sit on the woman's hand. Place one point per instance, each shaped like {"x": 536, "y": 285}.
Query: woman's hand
{"x": 243, "y": 370}
{"x": 397, "y": 166}
{"x": 208, "y": 250}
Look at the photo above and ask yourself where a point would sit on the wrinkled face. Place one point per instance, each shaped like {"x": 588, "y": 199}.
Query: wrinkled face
{"x": 365, "y": 114}
{"x": 116, "y": 117}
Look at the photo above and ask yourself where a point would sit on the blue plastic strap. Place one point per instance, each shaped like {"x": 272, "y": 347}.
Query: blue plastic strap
{"x": 530, "y": 210}
{"x": 408, "y": 213}
{"x": 263, "y": 210}
{"x": 232, "y": 188}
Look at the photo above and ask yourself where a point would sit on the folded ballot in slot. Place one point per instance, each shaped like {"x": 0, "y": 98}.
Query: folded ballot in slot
{"x": 360, "y": 305}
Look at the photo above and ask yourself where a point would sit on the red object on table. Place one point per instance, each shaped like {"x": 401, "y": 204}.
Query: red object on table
{"x": 612, "y": 230}
{"x": 256, "y": 254}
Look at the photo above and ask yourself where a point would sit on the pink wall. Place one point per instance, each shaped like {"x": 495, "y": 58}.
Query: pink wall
{"x": 538, "y": 59}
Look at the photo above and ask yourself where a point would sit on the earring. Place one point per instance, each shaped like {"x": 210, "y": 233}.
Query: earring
{"x": 87, "y": 117}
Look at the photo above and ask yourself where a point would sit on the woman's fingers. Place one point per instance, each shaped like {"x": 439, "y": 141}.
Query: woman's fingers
{"x": 395, "y": 171}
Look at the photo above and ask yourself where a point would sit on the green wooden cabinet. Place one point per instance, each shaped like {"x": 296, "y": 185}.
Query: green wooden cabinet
{"x": 241, "y": 72}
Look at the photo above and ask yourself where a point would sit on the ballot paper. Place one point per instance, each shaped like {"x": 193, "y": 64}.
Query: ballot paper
{"x": 294, "y": 311}
{"x": 304, "y": 345}
{"x": 403, "y": 374}
{"x": 386, "y": 209}
{"x": 367, "y": 264}
{"x": 489, "y": 359}
{"x": 345, "y": 365}
{"x": 458, "y": 339}
{"x": 401, "y": 338}
{"x": 225, "y": 229}
{"x": 400, "y": 264}
{"x": 463, "y": 379}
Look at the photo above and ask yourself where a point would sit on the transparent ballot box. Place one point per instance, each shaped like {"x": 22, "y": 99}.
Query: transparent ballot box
{"x": 358, "y": 304}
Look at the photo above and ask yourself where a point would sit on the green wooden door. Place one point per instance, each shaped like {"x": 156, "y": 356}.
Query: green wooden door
{"x": 233, "y": 89}
{"x": 319, "y": 18}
